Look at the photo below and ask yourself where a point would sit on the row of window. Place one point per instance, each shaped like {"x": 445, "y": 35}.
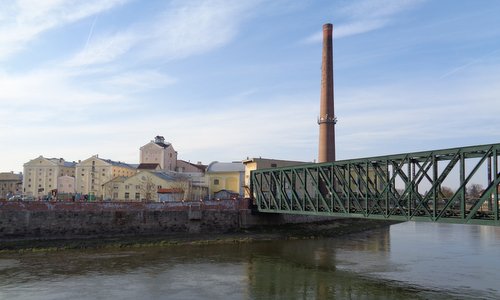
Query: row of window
{"x": 127, "y": 196}
{"x": 29, "y": 185}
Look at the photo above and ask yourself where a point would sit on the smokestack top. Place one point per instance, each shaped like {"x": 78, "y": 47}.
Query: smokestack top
{"x": 328, "y": 26}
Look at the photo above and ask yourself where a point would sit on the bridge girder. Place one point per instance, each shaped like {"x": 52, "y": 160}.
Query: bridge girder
{"x": 410, "y": 186}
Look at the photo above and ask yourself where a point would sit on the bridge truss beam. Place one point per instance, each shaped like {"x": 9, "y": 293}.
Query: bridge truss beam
{"x": 412, "y": 186}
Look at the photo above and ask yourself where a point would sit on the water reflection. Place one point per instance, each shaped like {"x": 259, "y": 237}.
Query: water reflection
{"x": 409, "y": 261}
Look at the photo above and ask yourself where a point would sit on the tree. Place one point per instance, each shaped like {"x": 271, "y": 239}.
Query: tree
{"x": 147, "y": 187}
{"x": 474, "y": 191}
{"x": 183, "y": 185}
{"x": 446, "y": 192}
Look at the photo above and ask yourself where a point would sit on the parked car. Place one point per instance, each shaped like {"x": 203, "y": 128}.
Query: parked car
{"x": 28, "y": 198}
{"x": 16, "y": 198}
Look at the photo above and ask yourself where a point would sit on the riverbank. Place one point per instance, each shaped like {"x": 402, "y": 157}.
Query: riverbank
{"x": 314, "y": 230}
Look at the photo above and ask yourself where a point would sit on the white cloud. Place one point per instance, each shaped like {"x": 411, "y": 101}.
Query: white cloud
{"x": 402, "y": 116}
{"x": 183, "y": 29}
{"x": 104, "y": 49}
{"x": 49, "y": 89}
{"x": 365, "y": 16}
{"x": 195, "y": 27}
{"x": 24, "y": 20}
{"x": 373, "y": 9}
{"x": 138, "y": 80}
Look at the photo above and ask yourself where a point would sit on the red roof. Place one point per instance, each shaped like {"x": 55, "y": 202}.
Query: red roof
{"x": 170, "y": 191}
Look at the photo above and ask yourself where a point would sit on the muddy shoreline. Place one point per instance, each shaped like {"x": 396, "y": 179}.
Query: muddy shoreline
{"x": 323, "y": 229}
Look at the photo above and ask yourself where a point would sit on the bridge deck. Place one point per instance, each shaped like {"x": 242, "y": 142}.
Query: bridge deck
{"x": 458, "y": 185}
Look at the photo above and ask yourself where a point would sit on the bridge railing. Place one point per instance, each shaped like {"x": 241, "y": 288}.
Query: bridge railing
{"x": 437, "y": 186}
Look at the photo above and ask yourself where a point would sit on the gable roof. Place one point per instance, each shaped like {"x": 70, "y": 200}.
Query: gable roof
{"x": 108, "y": 161}
{"x": 148, "y": 166}
{"x": 157, "y": 144}
{"x": 201, "y": 167}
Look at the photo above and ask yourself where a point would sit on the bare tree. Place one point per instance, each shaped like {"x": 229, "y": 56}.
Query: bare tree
{"x": 183, "y": 185}
{"x": 474, "y": 191}
{"x": 147, "y": 187}
{"x": 446, "y": 192}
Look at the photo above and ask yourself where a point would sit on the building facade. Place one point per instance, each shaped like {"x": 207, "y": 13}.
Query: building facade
{"x": 252, "y": 164}
{"x": 225, "y": 176}
{"x": 159, "y": 152}
{"x": 146, "y": 186}
{"x": 94, "y": 172}
{"x": 10, "y": 184}
{"x": 66, "y": 185}
{"x": 40, "y": 175}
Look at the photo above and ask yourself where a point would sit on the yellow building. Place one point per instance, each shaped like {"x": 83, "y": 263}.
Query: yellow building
{"x": 40, "y": 175}
{"x": 225, "y": 177}
{"x": 93, "y": 172}
{"x": 252, "y": 164}
{"x": 146, "y": 186}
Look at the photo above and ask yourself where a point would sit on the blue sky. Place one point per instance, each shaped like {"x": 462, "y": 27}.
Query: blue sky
{"x": 226, "y": 80}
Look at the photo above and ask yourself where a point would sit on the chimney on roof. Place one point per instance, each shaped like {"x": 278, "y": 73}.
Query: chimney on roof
{"x": 327, "y": 118}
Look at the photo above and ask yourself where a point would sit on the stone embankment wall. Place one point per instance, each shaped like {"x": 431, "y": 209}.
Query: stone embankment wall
{"x": 75, "y": 219}
{"x": 80, "y": 219}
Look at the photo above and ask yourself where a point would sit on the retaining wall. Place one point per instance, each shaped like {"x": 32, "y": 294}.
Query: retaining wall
{"x": 79, "y": 219}
{"x": 73, "y": 219}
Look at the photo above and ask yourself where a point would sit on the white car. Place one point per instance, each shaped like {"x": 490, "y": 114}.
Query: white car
{"x": 16, "y": 198}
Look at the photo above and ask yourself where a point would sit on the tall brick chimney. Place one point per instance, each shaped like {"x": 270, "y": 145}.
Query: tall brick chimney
{"x": 327, "y": 118}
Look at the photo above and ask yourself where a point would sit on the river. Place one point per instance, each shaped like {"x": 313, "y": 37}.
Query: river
{"x": 404, "y": 261}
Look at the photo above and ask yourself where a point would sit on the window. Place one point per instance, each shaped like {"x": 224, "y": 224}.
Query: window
{"x": 127, "y": 196}
{"x": 137, "y": 196}
{"x": 273, "y": 165}
{"x": 115, "y": 195}
{"x": 126, "y": 186}
{"x": 216, "y": 181}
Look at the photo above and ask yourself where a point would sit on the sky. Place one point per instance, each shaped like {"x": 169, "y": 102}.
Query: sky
{"x": 227, "y": 80}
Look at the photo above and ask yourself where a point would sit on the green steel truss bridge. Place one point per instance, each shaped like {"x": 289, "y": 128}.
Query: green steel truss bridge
{"x": 459, "y": 185}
